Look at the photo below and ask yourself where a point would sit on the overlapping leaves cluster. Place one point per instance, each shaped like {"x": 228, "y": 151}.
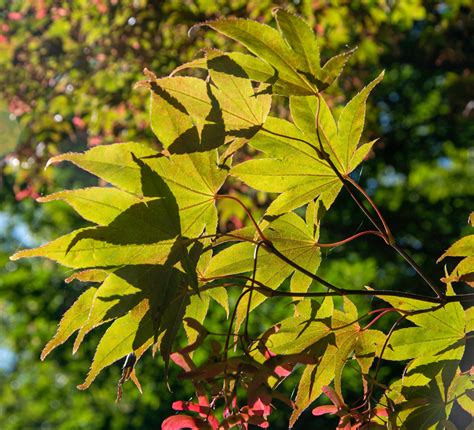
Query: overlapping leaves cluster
{"x": 154, "y": 250}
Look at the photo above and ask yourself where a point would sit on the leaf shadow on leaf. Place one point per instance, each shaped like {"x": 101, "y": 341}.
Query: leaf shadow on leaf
{"x": 433, "y": 398}
{"x": 143, "y": 223}
{"x": 306, "y": 325}
{"x": 318, "y": 350}
{"x": 225, "y": 64}
{"x": 210, "y": 137}
{"x": 428, "y": 406}
{"x": 321, "y": 85}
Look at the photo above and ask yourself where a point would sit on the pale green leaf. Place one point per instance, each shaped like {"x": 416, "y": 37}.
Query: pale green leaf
{"x": 71, "y": 321}
{"x": 350, "y": 124}
{"x": 303, "y": 330}
{"x": 294, "y": 170}
{"x": 411, "y": 342}
{"x": 332, "y": 69}
{"x": 312, "y": 380}
{"x": 113, "y": 163}
{"x": 463, "y": 272}
{"x": 100, "y": 205}
{"x": 189, "y": 114}
{"x": 257, "y": 70}
{"x": 462, "y": 248}
{"x": 243, "y": 110}
{"x": 134, "y": 331}
{"x": 88, "y": 275}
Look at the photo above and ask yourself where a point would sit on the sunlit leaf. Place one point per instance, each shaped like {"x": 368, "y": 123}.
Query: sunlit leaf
{"x": 100, "y": 205}
{"x": 72, "y": 320}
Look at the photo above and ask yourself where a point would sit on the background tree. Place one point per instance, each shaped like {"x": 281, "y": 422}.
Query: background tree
{"x": 81, "y": 64}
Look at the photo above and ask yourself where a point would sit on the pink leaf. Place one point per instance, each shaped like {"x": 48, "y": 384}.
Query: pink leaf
{"x": 333, "y": 396}
{"x": 326, "y": 409}
{"x": 178, "y": 422}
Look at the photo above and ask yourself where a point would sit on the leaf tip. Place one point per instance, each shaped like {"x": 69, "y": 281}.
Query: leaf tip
{"x": 18, "y": 255}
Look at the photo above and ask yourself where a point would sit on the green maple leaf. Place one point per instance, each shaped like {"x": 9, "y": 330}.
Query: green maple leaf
{"x": 435, "y": 331}
{"x": 148, "y": 269}
{"x": 294, "y": 167}
{"x": 464, "y": 271}
{"x": 435, "y": 346}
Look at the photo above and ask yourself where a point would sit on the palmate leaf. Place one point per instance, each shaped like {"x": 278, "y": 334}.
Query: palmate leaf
{"x": 425, "y": 396}
{"x": 435, "y": 331}
{"x": 295, "y": 169}
{"x": 331, "y": 336}
{"x": 341, "y": 141}
{"x": 146, "y": 232}
{"x": 146, "y": 251}
{"x": 464, "y": 271}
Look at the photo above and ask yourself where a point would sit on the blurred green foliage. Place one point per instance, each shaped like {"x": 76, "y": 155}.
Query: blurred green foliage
{"x": 67, "y": 71}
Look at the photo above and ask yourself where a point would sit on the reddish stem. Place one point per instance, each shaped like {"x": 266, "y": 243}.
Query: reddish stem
{"x": 374, "y": 206}
{"x": 349, "y": 239}
{"x": 247, "y": 211}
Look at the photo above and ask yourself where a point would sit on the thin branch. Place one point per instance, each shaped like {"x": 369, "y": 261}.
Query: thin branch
{"x": 374, "y": 206}
{"x": 229, "y": 333}
{"x": 385, "y": 231}
{"x": 252, "y": 285}
{"x": 418, "y": 270}
{"x": 271, "y": 248}
{"x": 269, "y": 292}
{"x": 247, "y": 211}
{"x": 349, "y": 239}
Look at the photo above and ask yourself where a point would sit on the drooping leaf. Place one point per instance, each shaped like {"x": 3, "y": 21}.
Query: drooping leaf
{"x": 113, "y": 163}
{"x": 464, "y": 247}
{"x": 131, "y": 333}
{"x": 72, "y": 320}
{"x": 100, "y": 205}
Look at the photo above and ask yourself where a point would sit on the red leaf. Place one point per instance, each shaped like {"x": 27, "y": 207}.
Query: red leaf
{"x": 182, "y": 361}
{"x": 333, "y": 396}
{"x": 180, "y": 405}
{"x": 178, "y": 422}
{"x": 326, "y": 409}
